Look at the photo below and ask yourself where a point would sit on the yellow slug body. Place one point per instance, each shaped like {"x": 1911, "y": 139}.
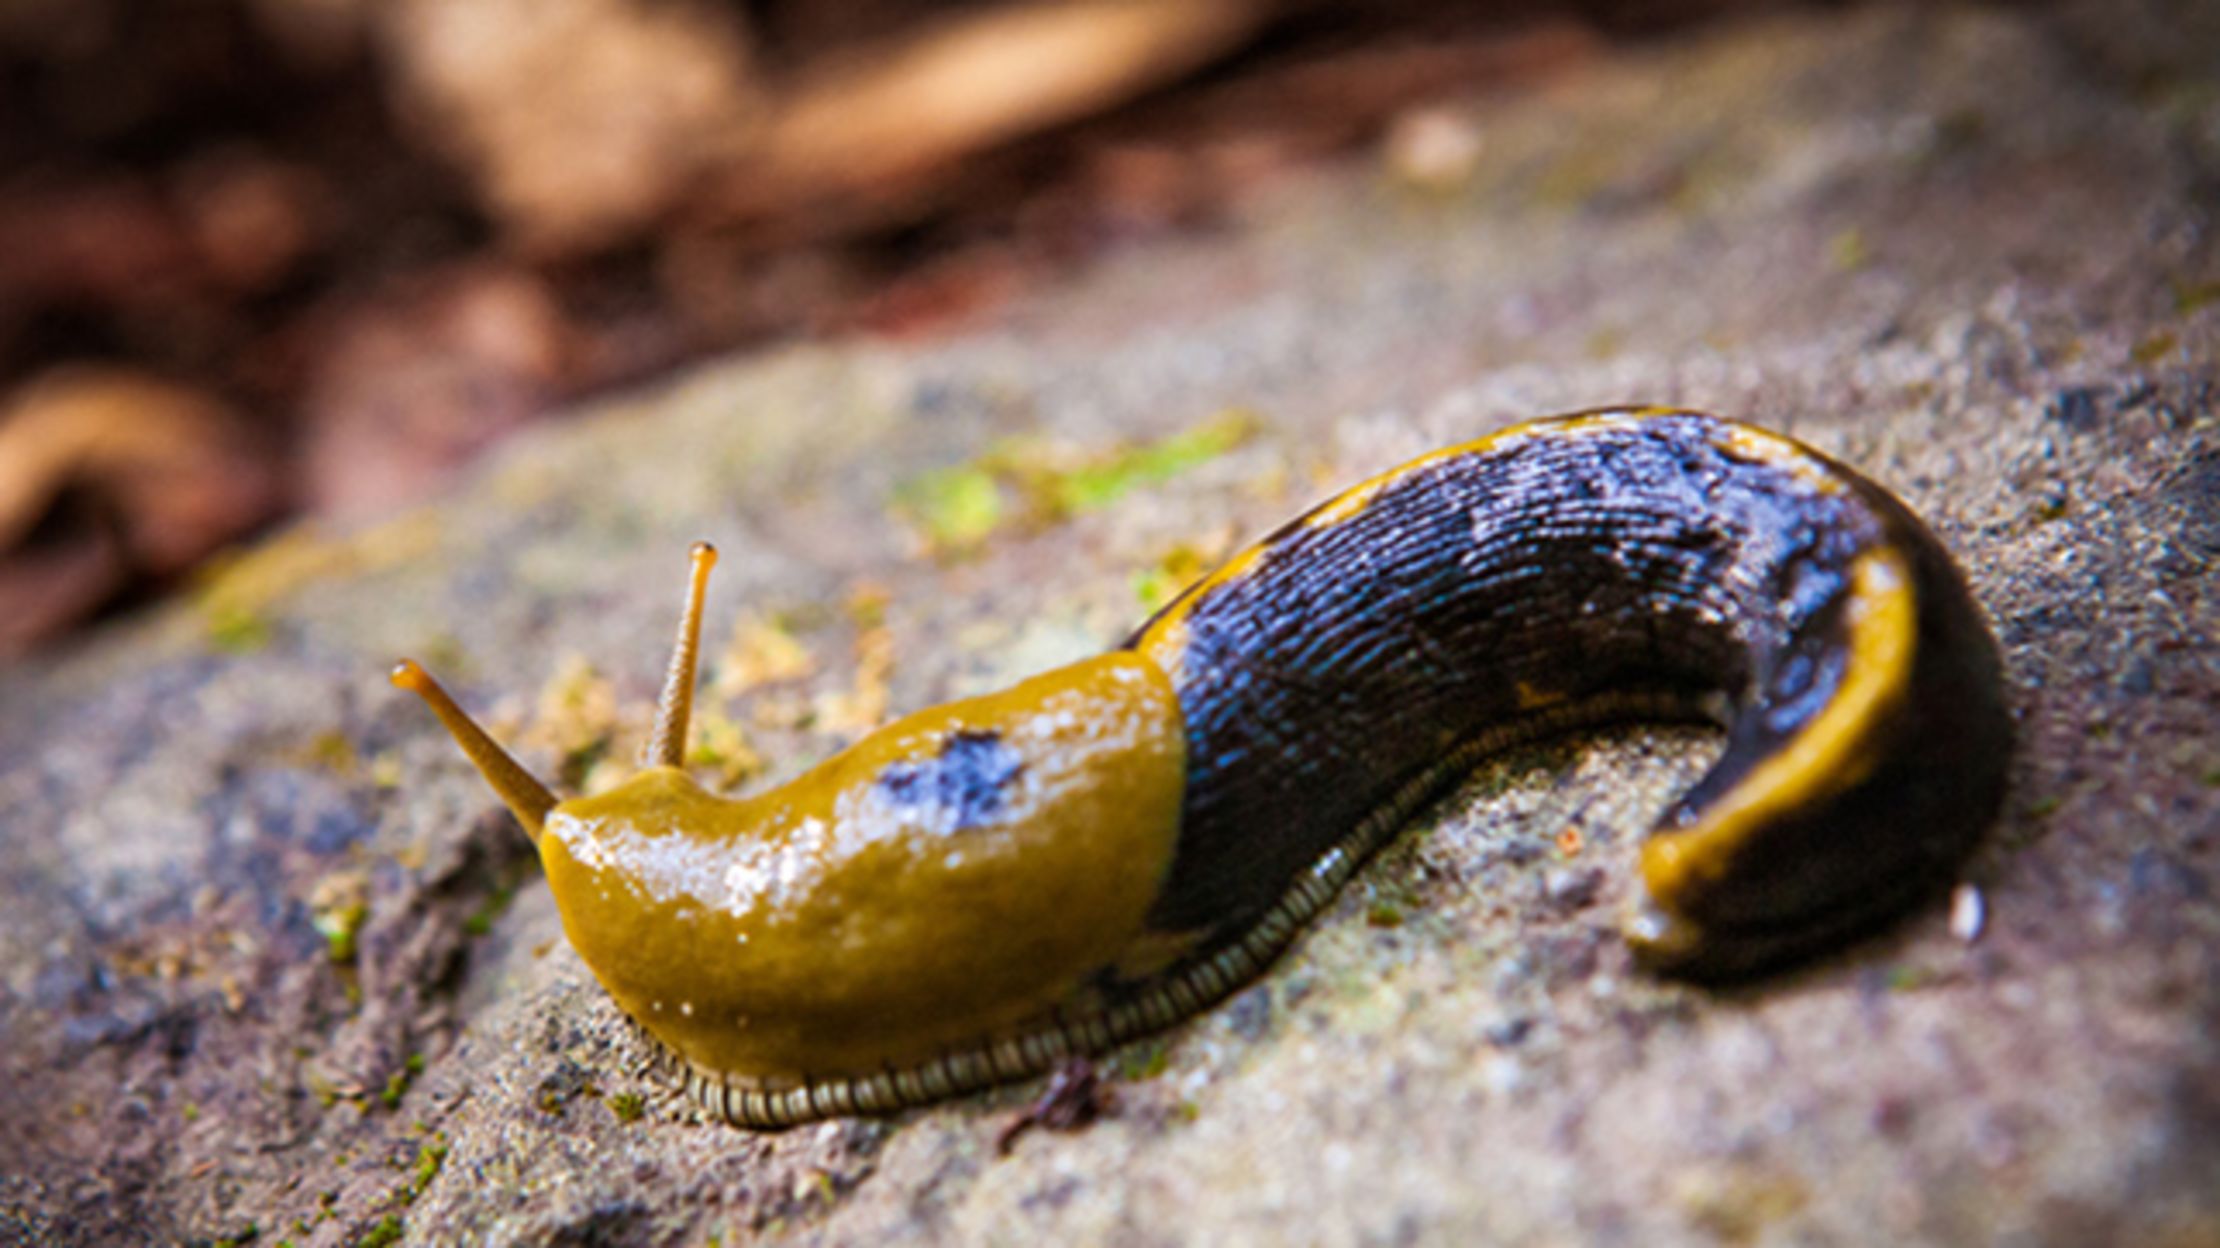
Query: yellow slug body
{"x": 810, "y": 929}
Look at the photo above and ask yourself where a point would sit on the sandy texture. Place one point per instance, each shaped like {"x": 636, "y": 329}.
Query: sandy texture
{"x": 271, "y": 960}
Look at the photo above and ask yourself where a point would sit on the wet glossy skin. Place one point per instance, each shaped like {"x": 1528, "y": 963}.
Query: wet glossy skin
{"x": 1547, "y": 573}
{"x": 977, "y": 891}
{"x": 954, "y": 874}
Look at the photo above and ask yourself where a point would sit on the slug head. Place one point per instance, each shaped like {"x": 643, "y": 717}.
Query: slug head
{"x": 953, "y": 875}
{"x": 956, "y": 873}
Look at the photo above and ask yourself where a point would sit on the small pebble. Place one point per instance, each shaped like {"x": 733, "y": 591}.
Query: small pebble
{"x": 1968, "y": 912}
{"x": 1433, "y": 149}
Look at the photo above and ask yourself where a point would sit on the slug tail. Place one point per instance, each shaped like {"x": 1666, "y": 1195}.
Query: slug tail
{"x": 667, "y": 747}
{"x": 525, "y": 796}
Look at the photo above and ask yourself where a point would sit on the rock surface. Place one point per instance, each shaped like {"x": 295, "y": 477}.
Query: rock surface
{"x": 273, "y": 963}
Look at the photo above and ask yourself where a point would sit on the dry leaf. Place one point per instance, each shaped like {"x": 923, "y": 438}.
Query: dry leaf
{"x": 979, "y": 80}
{"x": 580, "y": 120}
{"x": 108, "y": 474}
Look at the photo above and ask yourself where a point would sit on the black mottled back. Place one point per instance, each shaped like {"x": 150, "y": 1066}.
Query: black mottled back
{"x": 1650, "y": 556}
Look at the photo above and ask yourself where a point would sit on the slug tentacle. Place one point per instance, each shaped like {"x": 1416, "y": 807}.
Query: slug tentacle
{"x": 525, "y": 796}
{"x": 977, "y": 891}
{"x": 667, "y": 746}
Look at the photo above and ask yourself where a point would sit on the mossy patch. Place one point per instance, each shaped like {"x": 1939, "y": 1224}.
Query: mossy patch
{"x": 1033, "y": 483}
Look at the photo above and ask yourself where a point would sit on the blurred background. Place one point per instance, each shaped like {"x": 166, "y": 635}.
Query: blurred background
{"x": 266, "y": 258}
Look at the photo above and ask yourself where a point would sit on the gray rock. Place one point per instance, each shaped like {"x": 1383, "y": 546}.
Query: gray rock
{"x": 272, "y": 959}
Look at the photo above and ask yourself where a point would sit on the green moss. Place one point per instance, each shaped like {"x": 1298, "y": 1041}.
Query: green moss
{"x": 1143, "y": 1061}
{"x": 429, "y": 1159}
{"x": 1173, "y": 571}
{"x": 244, "y": 1235}
{"x": 340, "y": 925}
{"x": 234, "y": 629}
{"x": 2192, "y": 297}
{"x": 580, "y": 760}
{"x": 2044, "y": 805}
{"x": 397, "y": 1084}
{"x": 1847, "y": 251}
{"x": 628, "y": 1106}
{"x": 953, "y": 508}
{"x": 2154, "y": 348}
{"x": 720, "y": 745}
{"x": 1099, "y": 485}
{"x": 1036, "y": 482}
{"x": 1153, "y": 588}
{"x": 333, "y": 751}
{"x": 1909, "y": 978}
{"x": 496, "y": 903}
{"x": 386, "y": 1232}
{"x": 1383, "y": 914}
{"x": 818, "y": 1186}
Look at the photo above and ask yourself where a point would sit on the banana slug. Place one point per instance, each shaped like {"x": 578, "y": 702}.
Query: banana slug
{"x": 978, "y": 891}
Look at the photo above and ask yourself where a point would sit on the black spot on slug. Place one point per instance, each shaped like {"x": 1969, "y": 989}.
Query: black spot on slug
{"x": 965, "y": 784}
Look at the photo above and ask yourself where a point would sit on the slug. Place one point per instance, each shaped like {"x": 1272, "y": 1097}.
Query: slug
{"x": 976, "y": 892}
